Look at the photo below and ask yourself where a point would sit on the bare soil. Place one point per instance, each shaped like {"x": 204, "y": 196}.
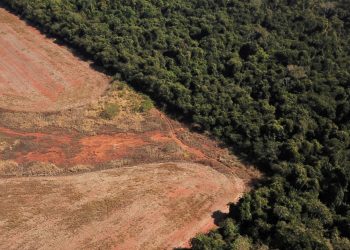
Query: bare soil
{"x": 38, "y": 75}
{"x": 71, "y": 179}
{"x": 156, "y": 206}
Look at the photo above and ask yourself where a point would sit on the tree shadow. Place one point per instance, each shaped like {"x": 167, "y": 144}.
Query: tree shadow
{"x": 219, "y": 217}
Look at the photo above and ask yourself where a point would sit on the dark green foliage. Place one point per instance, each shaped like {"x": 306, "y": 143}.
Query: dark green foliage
{"x": 271, "y": 78}
{"x": 212, "y": 241}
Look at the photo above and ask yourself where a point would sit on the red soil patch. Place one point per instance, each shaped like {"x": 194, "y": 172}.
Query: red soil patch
{"x": 38, "y": 75}
{"x": 101, "y": 148}
{"x": 73, "y": 149}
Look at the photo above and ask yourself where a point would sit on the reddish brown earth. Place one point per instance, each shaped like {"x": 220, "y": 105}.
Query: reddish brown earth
{"x": 38, "y": 75}
{"x": 156, "y": 206}
{"x": 66, "y": 149}
{"x": 70, "y": 179}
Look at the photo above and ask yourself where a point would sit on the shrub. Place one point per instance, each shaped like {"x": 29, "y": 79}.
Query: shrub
{"x": 111, "y": 110}
{"x": 146, "y": 105}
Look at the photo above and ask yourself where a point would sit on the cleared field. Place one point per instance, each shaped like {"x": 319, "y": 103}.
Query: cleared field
{"x": 38, "y": 75}
{"x": 157, "y": 206}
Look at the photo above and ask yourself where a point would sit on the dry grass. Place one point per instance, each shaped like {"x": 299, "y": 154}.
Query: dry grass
{"x": 88, "y": 119}
{"x": 42, "y": 169}
{"x": 12, "y": 168}
{"x": 158, "y": 206}
{"x": 8, "y": 144}
{"x": 80, "y": 168}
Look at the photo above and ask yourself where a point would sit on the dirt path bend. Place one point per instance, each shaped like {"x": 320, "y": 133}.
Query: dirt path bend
{"x": 155, "y": 206}
{"x": 38, "y": 75}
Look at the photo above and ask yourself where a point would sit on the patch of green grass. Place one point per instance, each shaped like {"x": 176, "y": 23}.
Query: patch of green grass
{"x": 116, "y": 85}
{"x": 111, "y": 110}
{"x": 146, "y": 105}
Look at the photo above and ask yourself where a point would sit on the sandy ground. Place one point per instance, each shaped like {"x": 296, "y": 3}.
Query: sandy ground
{"x": 38, "y": 75}
{"x": 157, "y": 206}
{"x": 73, "y": 180}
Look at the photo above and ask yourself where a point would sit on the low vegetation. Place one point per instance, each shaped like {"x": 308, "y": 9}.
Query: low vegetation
{"x": 145, "y": 105}
{"x": 271, "y": 78}
{"x": 110, "y": 111}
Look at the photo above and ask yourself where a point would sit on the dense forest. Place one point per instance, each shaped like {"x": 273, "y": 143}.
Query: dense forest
{"x": 271, "y": 78}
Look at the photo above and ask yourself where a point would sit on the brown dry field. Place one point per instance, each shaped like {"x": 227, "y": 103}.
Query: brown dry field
{"x": 70, "y": 179}
{"x": 38, "y": 75}
{"x": 156, "y": 206}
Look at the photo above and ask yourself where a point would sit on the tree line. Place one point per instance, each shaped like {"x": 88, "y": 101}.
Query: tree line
{"x": 270, "y": 78}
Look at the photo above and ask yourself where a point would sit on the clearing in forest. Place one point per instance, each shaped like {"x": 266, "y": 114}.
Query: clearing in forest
{"x": 77, "y": 177}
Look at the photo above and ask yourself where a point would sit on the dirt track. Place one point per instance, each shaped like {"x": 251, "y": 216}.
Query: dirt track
{"x": 38, "y": 75}
{"x": 55, "y": 191}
